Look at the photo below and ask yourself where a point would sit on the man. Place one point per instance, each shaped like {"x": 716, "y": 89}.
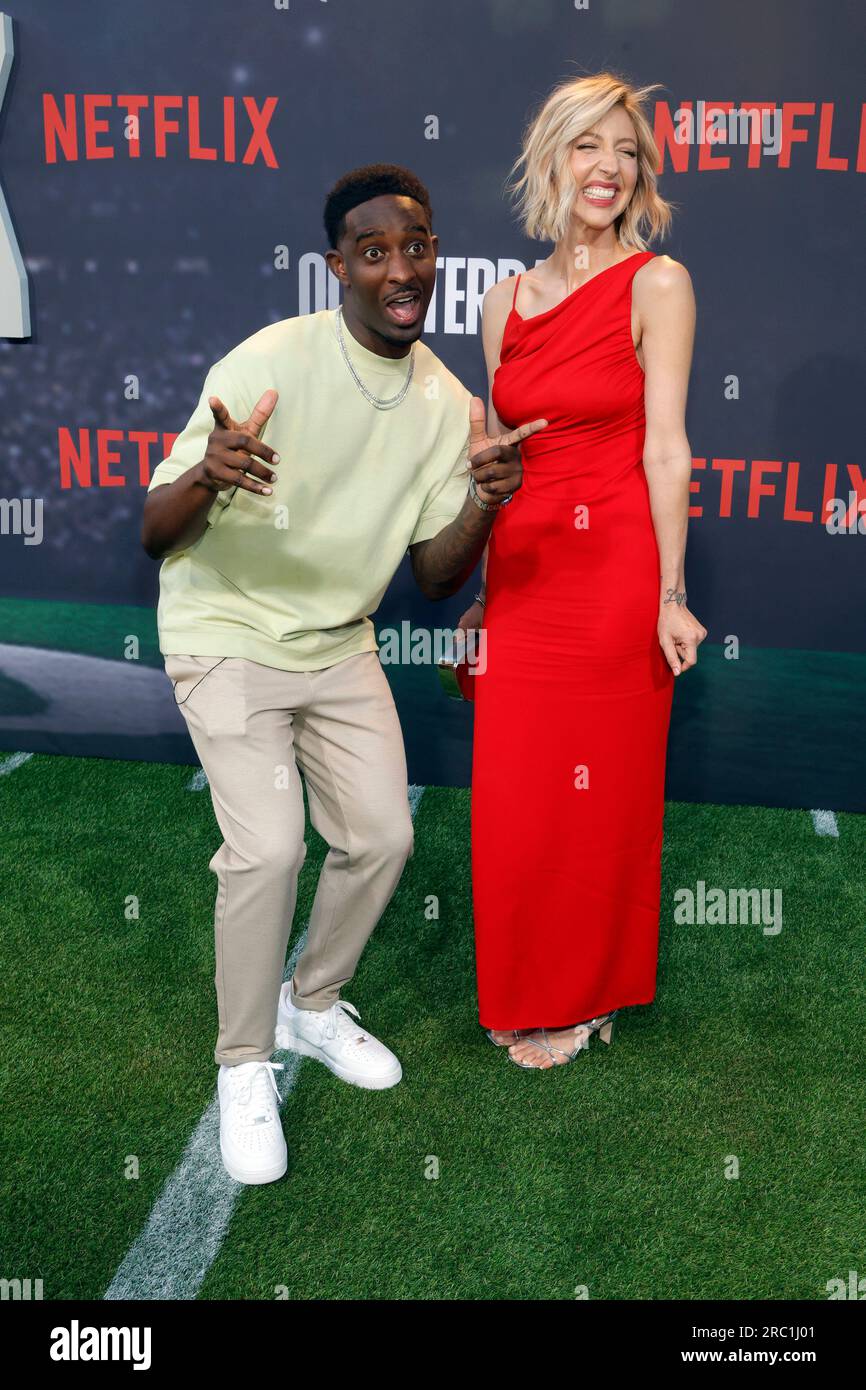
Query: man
{"x": 275, "y": 554}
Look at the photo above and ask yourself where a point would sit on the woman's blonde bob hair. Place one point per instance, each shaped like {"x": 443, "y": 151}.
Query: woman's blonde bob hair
{"x": 546, "y": 190}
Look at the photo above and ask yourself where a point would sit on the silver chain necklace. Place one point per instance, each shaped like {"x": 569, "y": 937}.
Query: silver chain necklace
{"x": 378, "y": 401}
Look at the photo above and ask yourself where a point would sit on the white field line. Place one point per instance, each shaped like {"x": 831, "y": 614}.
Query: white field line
{"x": 189, "y": 1219}
{"x": 10, "y": 764}
{"x": 825, "y": 823}
{"x": 198, "y": 781}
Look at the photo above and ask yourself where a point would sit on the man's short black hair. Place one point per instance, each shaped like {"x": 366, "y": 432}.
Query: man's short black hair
{"x": 371, "y": 181}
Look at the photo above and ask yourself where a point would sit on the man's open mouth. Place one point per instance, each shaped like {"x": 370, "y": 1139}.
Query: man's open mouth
{"x": 404, "y": 308}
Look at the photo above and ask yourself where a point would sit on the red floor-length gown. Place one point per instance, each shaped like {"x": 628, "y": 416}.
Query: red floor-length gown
{"x": 572, "y": 710}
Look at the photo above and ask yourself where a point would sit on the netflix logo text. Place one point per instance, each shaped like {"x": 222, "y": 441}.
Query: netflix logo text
{"x": 701, "y": 136}
{"x": 83, "y": 128}
{"x": 90, "y": 457}
{"x": 757, "y": 488}
{"x": 730, "y": 489}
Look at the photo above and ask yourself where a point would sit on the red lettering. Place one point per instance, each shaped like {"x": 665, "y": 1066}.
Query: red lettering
{"x": 92, "y": 127}
{"x": 727, "y": 468}
{"x": 790, "y": 512}
{"x": 196, "y": 150}
{"x": 695, "y": 486}
{"x": 72, "y": 460}
{"x": 143, "y": 439}
{"x": 162, "y": 126}
{"x": 757, "y": 487}
{"x": 259, "y": 140}
{"x": 861, "y": 146}
{"x": 790, "y": 135}
{"x": 664, "y": 132}
{"x": 229, "y": 130}
{"x": 859, "y": 482}
{"x": 825, "y": 134}
{"x": 133, "y": 105}
{"x": 59, "y": 128}
{"x": 829, "y": 492}
{"x": 712, "y": 136}
{"x": 756, "y": 129}
{"x": 105, "y": 457}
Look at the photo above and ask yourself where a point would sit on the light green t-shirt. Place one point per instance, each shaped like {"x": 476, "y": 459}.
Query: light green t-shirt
{"x": 290, "y": 580}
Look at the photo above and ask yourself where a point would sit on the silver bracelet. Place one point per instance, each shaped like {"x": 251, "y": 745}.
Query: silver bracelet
{"x": 487, "y": 506}
{"x": 479, "y": 598}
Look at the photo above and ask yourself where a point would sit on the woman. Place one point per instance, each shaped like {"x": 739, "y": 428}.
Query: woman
{"x": 585, "y": 606}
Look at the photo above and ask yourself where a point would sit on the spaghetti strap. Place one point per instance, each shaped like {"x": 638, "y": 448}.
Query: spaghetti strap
{"x": 514, "y": 296}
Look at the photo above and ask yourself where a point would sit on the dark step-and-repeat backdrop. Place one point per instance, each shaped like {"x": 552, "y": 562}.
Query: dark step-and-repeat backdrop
{"x": 163, "y": 168}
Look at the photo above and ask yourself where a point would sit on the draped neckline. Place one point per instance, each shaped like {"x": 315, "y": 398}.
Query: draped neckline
{"x": 545, "y": 313}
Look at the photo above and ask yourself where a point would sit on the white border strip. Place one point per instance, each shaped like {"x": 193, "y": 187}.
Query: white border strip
{"x": 15, "y": 761}
{"x": 825, "y": 823}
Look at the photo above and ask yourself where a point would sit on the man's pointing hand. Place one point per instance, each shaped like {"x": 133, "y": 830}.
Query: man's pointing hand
{"x": 234, "y": 449}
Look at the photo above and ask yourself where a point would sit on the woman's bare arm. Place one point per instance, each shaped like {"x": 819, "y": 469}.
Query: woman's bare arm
{"x": 665, "y": 303}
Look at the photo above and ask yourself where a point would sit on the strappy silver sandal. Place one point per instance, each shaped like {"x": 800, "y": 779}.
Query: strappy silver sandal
{"x": 515, "y": 1036}
{"x": 603, "y": 1026}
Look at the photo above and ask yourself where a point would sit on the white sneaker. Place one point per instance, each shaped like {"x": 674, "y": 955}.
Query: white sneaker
{"x": 330, "y": 1036}
{"x": 252, "y": 1142}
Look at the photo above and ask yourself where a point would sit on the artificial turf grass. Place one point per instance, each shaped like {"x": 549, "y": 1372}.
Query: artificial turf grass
{"x": 607, "y": 1172}
{"x": 109, "y": 1025}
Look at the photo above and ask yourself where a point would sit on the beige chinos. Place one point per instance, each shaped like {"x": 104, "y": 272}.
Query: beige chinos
{"x": 254, "y": 727}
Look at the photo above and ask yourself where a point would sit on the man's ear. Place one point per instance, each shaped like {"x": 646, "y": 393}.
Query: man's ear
{"x": 337, "y": 266}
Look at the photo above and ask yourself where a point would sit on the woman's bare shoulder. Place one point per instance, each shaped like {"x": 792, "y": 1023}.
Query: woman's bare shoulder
{"x": 495, "y": 308}
{"x": 662, "y": 274}
{"x": 499, "y": 296}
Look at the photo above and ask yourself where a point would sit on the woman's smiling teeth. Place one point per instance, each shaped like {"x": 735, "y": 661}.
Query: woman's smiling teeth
{"x": 596, "y": 193}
